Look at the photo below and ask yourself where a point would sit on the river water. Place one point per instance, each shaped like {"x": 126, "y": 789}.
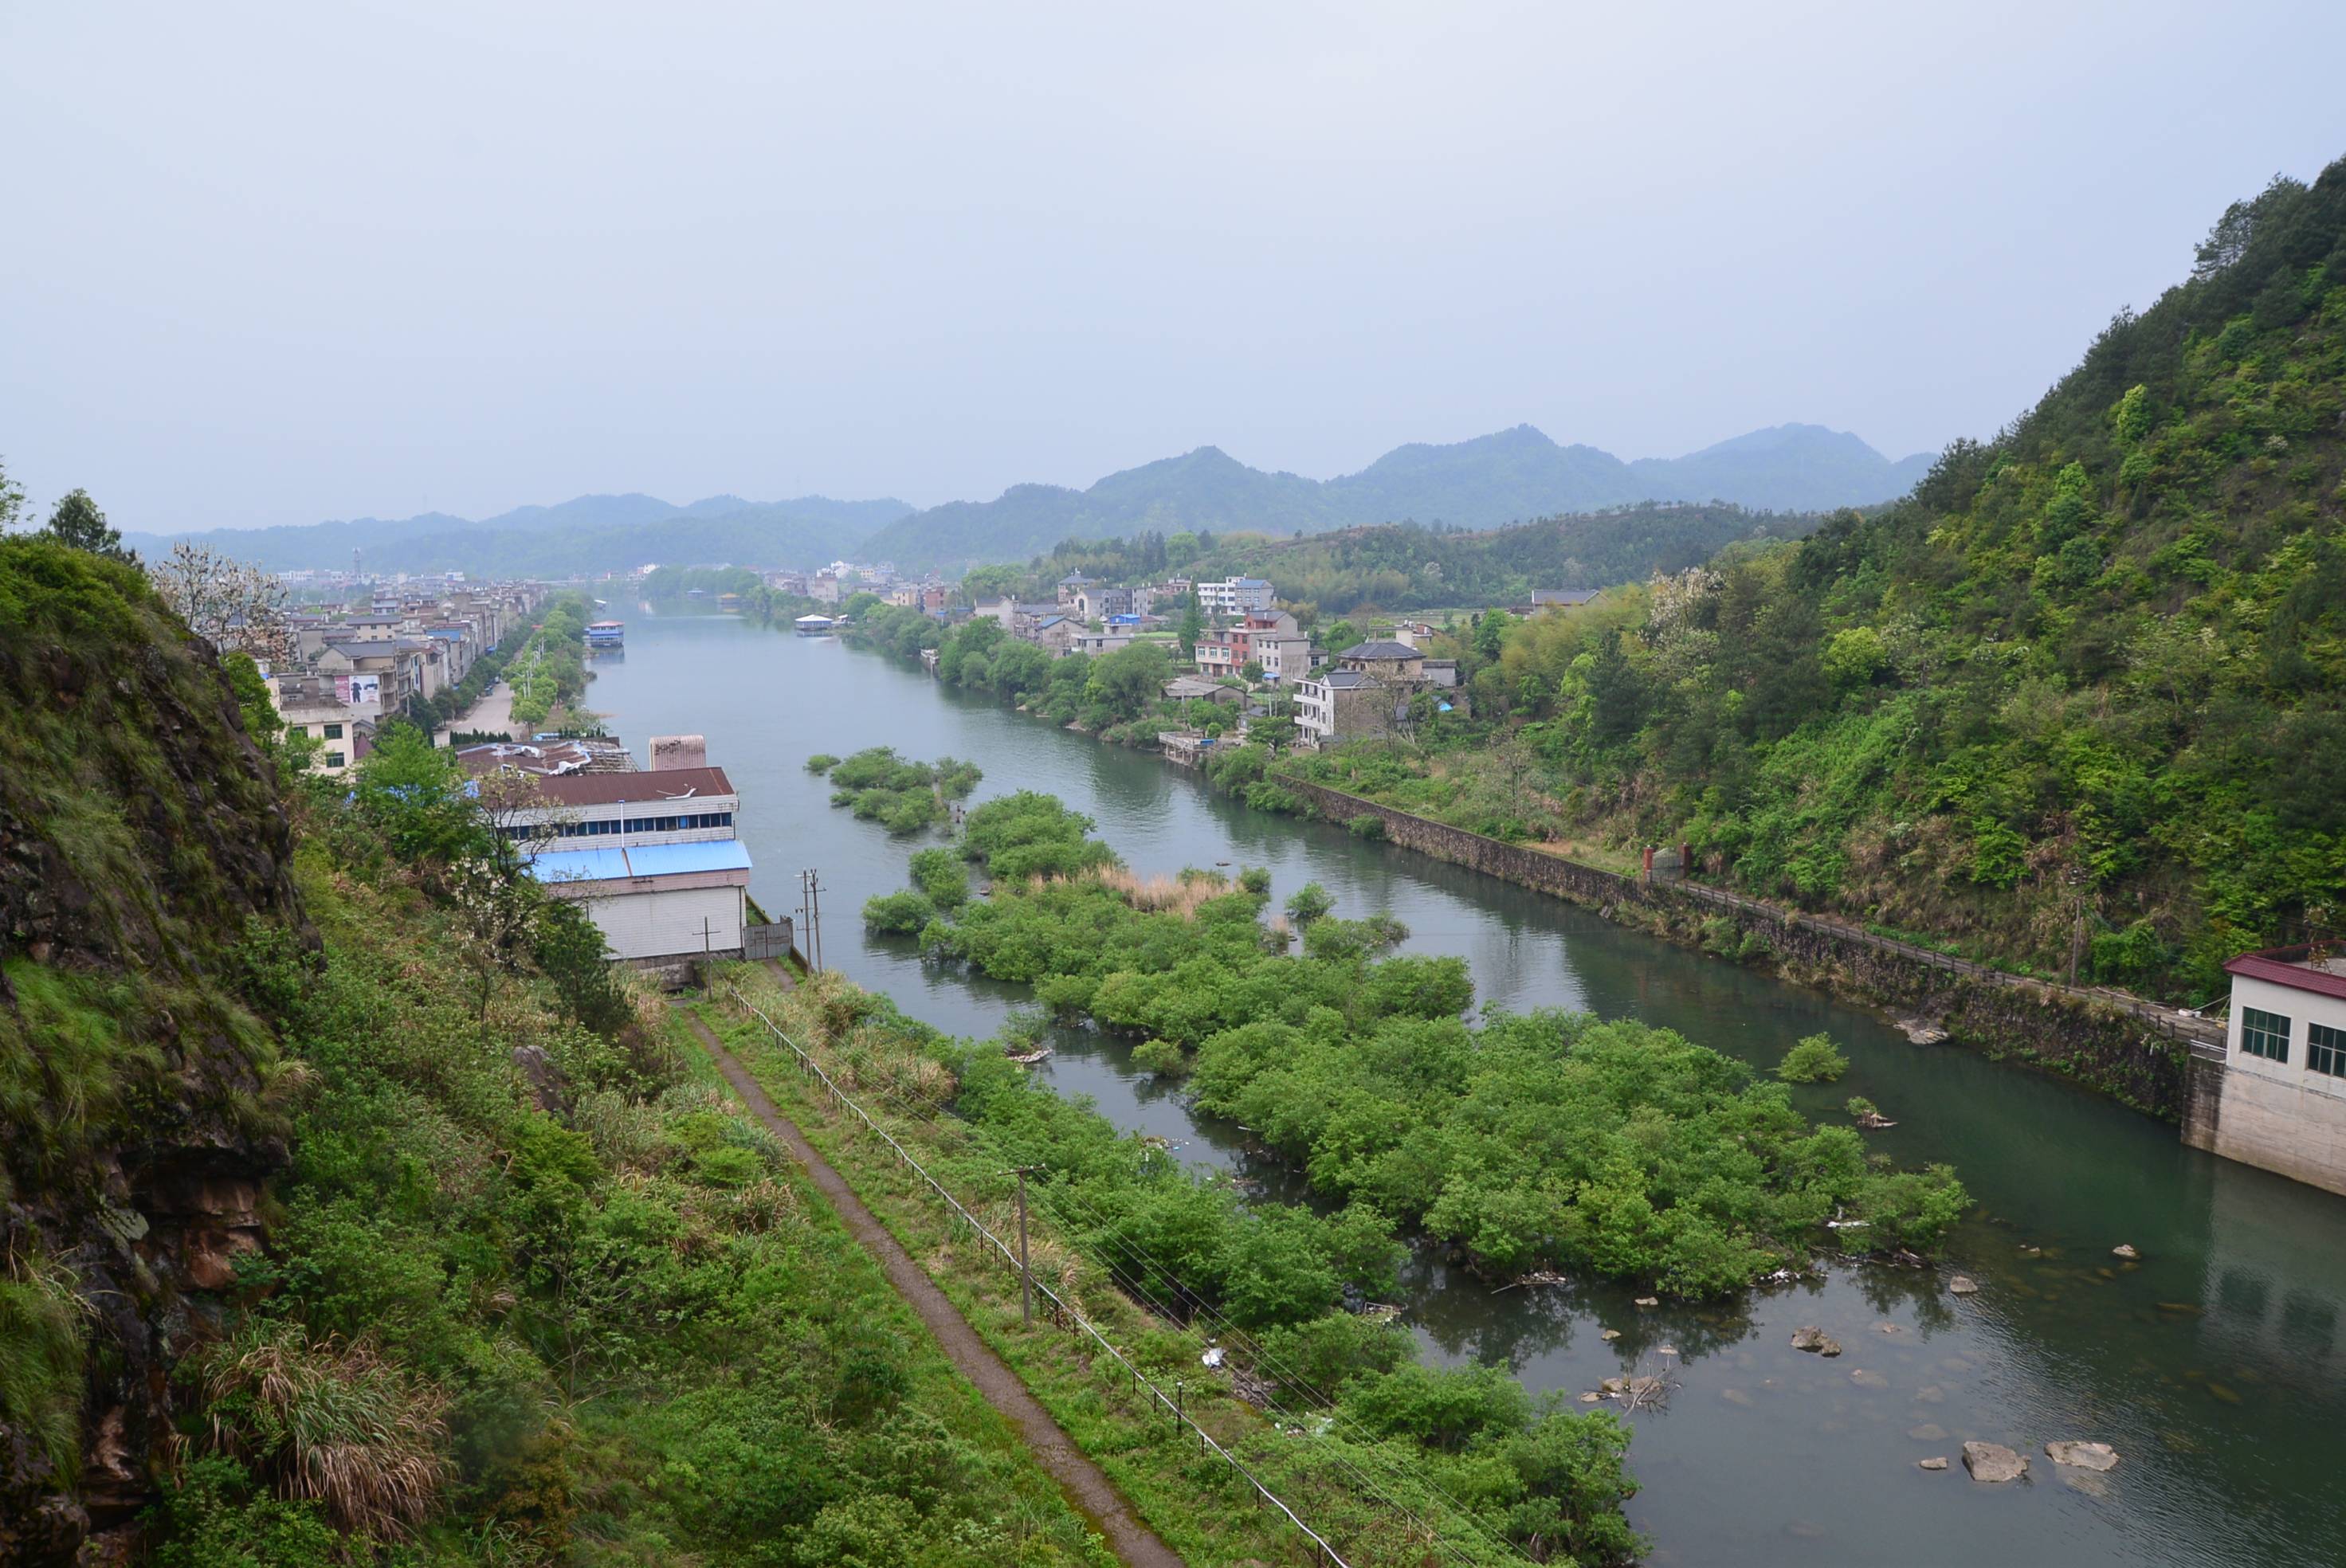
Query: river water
{"x": 2214, "y": 1365}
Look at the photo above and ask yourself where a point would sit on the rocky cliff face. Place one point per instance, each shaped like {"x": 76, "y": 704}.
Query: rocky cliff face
{"x": 143, "y": 857}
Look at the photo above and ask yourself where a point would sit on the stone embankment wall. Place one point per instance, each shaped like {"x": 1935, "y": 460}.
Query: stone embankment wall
{"x": 2115, "y": 1047}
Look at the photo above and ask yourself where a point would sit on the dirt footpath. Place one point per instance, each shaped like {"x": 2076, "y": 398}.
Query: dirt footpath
{"x": 1083, "y": 1481}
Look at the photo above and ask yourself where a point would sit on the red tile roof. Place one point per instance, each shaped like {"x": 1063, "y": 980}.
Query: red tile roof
{"x": 615, "y": 788}
{"x": 2279, "y": 970}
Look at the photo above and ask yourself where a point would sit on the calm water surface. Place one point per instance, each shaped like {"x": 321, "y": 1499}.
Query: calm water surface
{"x": 2213, "y": 1366}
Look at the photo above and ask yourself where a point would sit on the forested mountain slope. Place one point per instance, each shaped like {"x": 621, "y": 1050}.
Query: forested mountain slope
{"x": 2085, "y": 688}
{"x": 1409, "y": 567}
{"x": 1494, "y": 479}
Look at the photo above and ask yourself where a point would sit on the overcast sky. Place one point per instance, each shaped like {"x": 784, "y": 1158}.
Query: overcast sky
{"x": 272, "y": 264}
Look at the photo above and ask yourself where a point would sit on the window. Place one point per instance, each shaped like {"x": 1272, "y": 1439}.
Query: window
{"x": 2325, "y": 1050}
{"x": 2264, "y": 1034}
{"x": 333, "y": 732}
{"x": 333, "y": 760}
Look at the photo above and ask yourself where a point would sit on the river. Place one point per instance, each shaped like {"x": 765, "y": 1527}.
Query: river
{"x": 2214, "y": 1365}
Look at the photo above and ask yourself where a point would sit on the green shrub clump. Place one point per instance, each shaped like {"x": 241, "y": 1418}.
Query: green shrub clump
{"x": 1813, "y": 1060}
{"x": 1546, "y": 1139}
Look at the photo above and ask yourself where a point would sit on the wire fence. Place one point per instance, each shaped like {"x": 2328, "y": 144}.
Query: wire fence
{"x": 1186, "y": 1310}
{"x": 1062, "y": 1312}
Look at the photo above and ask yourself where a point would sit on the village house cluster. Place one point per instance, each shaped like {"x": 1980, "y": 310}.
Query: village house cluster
{"x": 1252, "y": 653}
{"x": 346, "y": 667}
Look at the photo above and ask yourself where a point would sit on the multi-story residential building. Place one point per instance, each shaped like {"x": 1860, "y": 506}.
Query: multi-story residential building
{"x": 317, "y": 707}
{"x": 1229, "y": 652}
{"x": 1071, "y": 588}
{"x": 1370, "y": 692}
{"x": 1234, "y": 595}
{"x": 1285, "y": 656}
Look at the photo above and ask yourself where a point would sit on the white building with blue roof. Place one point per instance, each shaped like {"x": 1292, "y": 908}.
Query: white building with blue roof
{"x": 655, "y": 855}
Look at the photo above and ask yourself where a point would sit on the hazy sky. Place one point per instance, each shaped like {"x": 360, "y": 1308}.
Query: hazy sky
{"x": 271, "y": 264}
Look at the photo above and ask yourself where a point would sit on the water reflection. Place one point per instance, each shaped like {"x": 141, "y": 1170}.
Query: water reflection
{"x": 2212, "y": 1364}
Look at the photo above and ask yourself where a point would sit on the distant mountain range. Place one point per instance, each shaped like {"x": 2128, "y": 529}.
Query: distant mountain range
{"x": 1509, "y": 476}
{"x": 590, "y": 533}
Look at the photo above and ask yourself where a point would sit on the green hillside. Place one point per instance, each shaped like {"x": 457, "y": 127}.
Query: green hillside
{"x": 2086, "y": 688}
{"x": 350, "y": 1213}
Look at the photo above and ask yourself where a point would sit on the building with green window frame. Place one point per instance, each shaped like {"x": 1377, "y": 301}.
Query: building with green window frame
{"x": 2279, "y": 1101}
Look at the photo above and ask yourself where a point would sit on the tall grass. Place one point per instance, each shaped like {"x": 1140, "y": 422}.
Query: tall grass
{"x": 44, "y": 1326}
{"x": 332, "y": 1420}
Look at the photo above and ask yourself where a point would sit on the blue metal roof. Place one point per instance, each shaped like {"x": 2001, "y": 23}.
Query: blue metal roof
{"x": 640, "y": 861}
{"x": 579, "y": 866}
{"x": 667, "y": 859}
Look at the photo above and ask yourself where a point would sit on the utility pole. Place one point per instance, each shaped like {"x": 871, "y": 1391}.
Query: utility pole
{"x": 814, "y": 917}
{"x": 1026, "y": 1275}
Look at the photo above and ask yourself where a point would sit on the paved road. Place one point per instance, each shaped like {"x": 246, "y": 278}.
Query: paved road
{"x": 1083, "y": 1481}
{"x": 493, "y": 714}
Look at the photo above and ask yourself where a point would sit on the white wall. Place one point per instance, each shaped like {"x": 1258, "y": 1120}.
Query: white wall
{"x": 2283, "y": 1116}
{"x": 657, "y": 924}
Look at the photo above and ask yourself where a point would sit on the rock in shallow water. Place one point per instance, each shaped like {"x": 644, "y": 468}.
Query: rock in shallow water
{"x": 1809, "y": 1337}
{"x": 1962, "y": 1285}
{"x": 1992, "y": 1461}
{"x": 2082, "y": 1455}
{"x": 1939, "y": 1462}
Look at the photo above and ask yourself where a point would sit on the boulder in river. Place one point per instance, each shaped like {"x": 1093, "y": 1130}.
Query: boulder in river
{"x": 2082, "y": 1455}
{"x": 1938, "y": 1462}
{"x": 1962, "y": 1285}
{"x": 2124, "y": 1249}
{"x": 1650, "y": 1300}
{"x": 1809, "y": 1337}
{"x": 1992, "y": 1461}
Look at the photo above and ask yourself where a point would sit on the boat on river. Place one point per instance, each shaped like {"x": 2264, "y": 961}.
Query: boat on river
{"x": 814, "y": 626}
{"x": 606, "y": 634}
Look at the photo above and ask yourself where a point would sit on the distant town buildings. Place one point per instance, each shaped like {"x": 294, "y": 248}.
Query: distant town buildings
{"x": 1234, "y": 595}
{"x": 387, "y": 649}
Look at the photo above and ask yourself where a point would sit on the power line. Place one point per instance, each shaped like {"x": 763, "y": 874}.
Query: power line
{"x": 1063, "y": 1312}
{"x": 1059, "y": 1201}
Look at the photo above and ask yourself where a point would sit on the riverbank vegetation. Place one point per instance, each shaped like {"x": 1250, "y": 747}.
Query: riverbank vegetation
{"x": 549, "y": 671}
{"x": 1330, "y": 1405}
{"x": 1543, "y": 1140}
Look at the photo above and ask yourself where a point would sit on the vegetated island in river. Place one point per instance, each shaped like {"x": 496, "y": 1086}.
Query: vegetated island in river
{"x": 1539, "y": 1140}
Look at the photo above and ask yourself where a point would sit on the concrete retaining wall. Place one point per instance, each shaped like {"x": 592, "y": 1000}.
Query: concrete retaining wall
{"x": 2104, "y": 1046}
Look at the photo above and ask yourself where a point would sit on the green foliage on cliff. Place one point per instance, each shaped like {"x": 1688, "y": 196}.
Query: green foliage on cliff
{"x": 643, "y": 1336}
{"x": 2084, "y": 690}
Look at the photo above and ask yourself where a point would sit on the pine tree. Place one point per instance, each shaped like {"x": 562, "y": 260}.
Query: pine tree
{"x": 77, "y": 522}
